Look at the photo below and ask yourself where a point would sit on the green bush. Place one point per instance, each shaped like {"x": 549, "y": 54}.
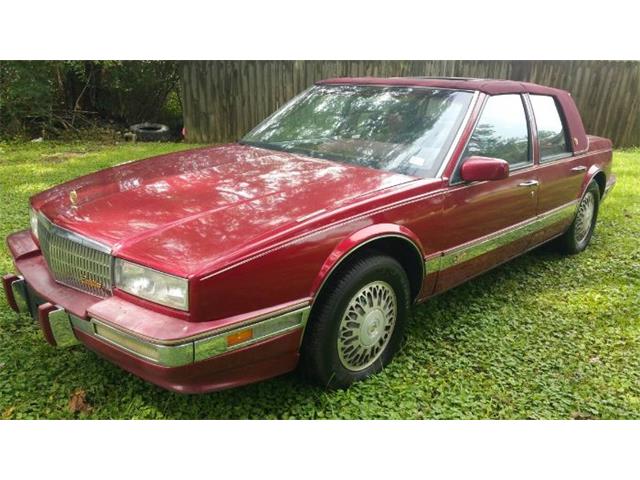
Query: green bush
{"x": 138, "y": 91}
{"x": 47, "y": 98}
{"x": 27, "y": 95}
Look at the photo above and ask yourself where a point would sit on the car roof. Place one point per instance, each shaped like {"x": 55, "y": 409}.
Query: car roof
{"x": 489, "y": 86}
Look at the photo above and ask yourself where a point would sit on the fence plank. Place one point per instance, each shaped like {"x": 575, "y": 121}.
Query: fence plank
{"x": 225, "y": 99}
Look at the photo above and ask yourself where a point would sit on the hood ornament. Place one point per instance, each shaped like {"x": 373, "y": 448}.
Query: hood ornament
{"x": 73, "y": 197}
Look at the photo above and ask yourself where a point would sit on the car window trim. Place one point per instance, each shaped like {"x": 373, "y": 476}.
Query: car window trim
{"x": 556, "y": 157}
{"x": 466, "y": 143}
{"x": 446, "y": 158}
{"x": 458, "y": 135}
{"x": 565, "y": 131}
{"x": 519, "y": 166}
{"x": 534, "y": 141}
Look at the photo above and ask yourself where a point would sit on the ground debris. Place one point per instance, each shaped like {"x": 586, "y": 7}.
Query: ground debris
{"x": 78, "y": 402}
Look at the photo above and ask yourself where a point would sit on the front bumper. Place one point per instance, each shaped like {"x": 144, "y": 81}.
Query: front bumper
{"x": 208, "y": 356}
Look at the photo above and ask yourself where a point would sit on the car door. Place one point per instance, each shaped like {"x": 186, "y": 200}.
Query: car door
{"x": 480, "y": 218}
{"x": 560, "y": 174}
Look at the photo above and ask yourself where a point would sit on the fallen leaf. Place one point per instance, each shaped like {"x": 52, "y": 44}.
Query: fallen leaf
{"x": 581, "y": 416}
{"x": 8, "y": 412}
{"x": 78, "y": 402}
{"x": 594, "y": 360}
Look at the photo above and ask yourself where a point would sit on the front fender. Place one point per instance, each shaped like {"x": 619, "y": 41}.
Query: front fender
{"x": 358, "y": 239}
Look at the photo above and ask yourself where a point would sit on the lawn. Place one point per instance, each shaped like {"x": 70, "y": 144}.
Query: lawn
{"x": 543, "y": 336}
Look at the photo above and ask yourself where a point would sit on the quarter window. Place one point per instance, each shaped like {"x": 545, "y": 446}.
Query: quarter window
{"x": 551, "y": 132}
{"x": 502, "y": 132}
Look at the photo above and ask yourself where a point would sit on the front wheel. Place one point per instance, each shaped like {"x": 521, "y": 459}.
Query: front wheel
{"x": 579, "y": 234}
{"x": 357, "y": 326}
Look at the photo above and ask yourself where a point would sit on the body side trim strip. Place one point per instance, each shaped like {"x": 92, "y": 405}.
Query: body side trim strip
{"x": 191, "y": 350}
{"x": 378, "y": 210}
{"x": 209, "y": 333}
{"x": 463, "y": 253}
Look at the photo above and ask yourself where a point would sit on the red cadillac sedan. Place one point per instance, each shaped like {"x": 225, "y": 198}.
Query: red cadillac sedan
{"x": 307, "y": 241}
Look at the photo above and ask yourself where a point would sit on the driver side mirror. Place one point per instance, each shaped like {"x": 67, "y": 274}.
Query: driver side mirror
{"x": 480, "y": 169}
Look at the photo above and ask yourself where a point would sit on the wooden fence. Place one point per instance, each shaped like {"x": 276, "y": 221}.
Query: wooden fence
{"x": 222, "y": 100}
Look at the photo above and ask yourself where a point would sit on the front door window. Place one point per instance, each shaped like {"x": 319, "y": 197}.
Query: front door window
{"x": 502, "y": 132}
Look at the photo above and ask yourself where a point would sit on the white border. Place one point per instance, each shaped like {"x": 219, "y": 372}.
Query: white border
{"x": 403, "y": 29}
{"x": 319, "y": 450}
{"x": 545, "y": 29}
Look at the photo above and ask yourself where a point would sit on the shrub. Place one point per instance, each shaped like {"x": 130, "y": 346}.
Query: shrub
{"x": 49, "y": 97}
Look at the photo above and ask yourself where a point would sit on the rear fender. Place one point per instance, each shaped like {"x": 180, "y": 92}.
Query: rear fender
{"x": 591, "y": 174}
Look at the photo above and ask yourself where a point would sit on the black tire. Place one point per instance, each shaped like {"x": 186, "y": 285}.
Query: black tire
{"x": 151, "y": 132}
{"x": 575, "y": 240}
{"x": 321, "y": 361}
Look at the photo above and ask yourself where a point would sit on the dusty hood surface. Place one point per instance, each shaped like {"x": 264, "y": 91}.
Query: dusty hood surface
{"x": 189, "y": 208}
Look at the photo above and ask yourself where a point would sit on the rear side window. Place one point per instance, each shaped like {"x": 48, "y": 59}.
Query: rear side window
{"x": 551, "y": 133}
{"x": 502, "y": 131}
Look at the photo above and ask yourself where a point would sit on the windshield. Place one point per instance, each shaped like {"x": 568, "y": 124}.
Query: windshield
{"x": 399, "y": 129}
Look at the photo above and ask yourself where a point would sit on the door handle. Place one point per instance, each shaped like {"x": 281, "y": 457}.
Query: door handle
{"x": 528, "y": 183}
{"x": 579, "y": 168}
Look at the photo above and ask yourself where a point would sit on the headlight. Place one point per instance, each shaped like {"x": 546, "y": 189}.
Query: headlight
{"x": 152, "y": 285}
{"x": 33, "y": 218}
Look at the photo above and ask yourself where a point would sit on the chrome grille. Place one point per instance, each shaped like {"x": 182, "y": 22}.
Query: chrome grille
{"x": 74, "y": 260}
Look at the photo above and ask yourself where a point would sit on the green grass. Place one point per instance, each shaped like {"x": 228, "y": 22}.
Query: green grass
{"x": 543, "y": 336}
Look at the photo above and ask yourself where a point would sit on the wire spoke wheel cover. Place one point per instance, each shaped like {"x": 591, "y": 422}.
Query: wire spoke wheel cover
{"x": 584, "y": 217}
{"x": 367, "y": 325}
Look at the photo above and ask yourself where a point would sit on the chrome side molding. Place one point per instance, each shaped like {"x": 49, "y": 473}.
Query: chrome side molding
{"x": 179, "y": 354}
{"x": 166, "y": 355}
{"x": 60, "y": 327}
{"x": 219, "y": 344}
{"x": 457, "y": 255}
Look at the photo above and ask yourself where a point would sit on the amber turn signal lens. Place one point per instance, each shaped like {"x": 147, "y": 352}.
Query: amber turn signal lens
{"x": 239, "y": 337}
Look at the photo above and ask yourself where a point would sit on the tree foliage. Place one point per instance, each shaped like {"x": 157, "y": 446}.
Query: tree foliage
{"x": 47, "y": 97}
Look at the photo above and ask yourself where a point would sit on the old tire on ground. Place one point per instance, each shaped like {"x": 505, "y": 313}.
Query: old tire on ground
{"x": 357, "y": 324}
{"x": 151, "y": 132}
{"x": 579, "y": 234}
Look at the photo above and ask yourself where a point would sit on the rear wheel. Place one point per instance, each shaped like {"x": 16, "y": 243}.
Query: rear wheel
{"x": 579, "y": 234}
{"x": 357, "y": 325}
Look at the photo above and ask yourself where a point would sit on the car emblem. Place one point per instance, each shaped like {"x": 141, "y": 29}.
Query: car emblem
{"x": 73, "y": 197}
{"x": 90, "y": 283}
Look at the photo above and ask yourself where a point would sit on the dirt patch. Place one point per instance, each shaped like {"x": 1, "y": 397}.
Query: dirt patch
{"x": 60, "y": 157}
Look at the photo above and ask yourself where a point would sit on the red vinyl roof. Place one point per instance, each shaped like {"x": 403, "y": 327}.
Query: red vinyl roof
{"x": 489, "y": 86}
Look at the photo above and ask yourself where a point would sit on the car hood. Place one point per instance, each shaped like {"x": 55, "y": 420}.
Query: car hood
{"x": 181, "y": 211}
